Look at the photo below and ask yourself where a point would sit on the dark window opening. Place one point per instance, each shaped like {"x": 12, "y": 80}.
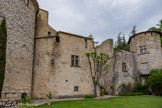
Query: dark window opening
{"x": 76, "y": 88}
{"x": 57, "y": 39}
{"x": 74, "y": 61}
{"x": 143, "y": 49}
{"x": 85, "y": 43}
{"x": 124, "y": 67}
{"x": 49, "y": 33}
{"x": 27, "y": 2}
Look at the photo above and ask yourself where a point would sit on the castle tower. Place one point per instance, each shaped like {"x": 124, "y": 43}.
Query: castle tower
{"x": 20, "y": 18}
{"x": 147, "y": 47}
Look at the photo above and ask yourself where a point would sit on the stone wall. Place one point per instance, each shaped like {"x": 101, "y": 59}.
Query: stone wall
{"x": 131, "y": 73}
{"x": 107, "y": 48}
{"x": 43, "y": 28}
{"x": 20, "y": 22}
{"x": 153, "y": 55}
{"x": 60, "y": 77}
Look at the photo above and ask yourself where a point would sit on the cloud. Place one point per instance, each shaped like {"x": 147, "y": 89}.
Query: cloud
{"x": 103, "y": 18}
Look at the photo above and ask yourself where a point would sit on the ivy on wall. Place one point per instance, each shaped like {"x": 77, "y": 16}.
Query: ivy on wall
{"x": 3, "y": 39}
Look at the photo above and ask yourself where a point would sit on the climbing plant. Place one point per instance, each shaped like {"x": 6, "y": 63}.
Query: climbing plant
{"x": 3, "y": 39}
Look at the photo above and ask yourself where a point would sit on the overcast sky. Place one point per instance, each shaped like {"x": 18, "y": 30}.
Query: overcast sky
{"x": 102, "y": 18}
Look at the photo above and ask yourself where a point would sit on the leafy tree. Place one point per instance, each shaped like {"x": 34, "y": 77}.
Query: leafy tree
{"x": 95, "y": 42}
{"x": 98, "y": 67}
{"x": 158, "y": 28}
{"x": 153, "y": 29}
{"x": 3, "y": 39}
{"x": 134, "y": 30}
{"x": 155, "y": 81}
{"x": 121, "y": 43}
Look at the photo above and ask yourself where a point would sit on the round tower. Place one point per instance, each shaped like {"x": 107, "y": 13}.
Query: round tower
{"x": 147, "y": 47}
{"x": 20, "y": 16}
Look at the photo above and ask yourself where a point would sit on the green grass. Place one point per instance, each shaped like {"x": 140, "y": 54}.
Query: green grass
{"x": 117, "y": 102}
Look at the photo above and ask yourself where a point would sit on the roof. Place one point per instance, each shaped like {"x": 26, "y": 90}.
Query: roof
{"x": 74, "y": 35}
{"x": 36, "y": 5}
{"x": 142, "y": 33}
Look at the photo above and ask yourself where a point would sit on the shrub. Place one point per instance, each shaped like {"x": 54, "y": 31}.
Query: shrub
{"x": 136, "y": 93}
{"x": 138, "y": 87}
{"x": 27, "y": 102}
{"x": 126, "y": 88}
{"x": 155, "y": 81}
{"x": 89, "y": 97}
{"x": 49, "y": 95}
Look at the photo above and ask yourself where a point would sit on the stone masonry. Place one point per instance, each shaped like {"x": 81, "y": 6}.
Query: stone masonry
{"x": 40, "y": 59}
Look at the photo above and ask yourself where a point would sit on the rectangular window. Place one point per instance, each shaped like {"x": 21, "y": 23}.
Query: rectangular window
{"x": 85, "y": 43}
{"x": 49, "y": 33}
{"x": 74, "y": 61}
{"x": 143, "y": 49}
{"x": 144, "y": 68}
{"x": 76, "y": 88}
{"x": 124, "y": 67}
{"x": 57, "y": 39}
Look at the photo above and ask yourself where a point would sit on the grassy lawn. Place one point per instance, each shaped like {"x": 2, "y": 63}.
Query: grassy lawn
{"x": 117, "y": 102}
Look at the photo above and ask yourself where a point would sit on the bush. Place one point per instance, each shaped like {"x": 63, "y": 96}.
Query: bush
{"x": 89, "y": 97}
{"x": 138, "y": 87}
{"x": 155, "y": 81}
{"x": 27, "y": 102}
{"x": 136, "y": 93}
{"x": 126, "y": 88}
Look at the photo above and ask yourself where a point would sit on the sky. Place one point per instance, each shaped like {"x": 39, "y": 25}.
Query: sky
{"x": 103, "y": 19}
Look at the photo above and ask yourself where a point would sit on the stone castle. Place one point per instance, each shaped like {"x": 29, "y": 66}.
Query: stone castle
{"x": 39, "y": 59}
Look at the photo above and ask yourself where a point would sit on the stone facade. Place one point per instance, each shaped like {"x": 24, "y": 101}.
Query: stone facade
{"x": 151, "y": 59}
{"x": 40, "y": 60}
{"x": 20, "y": 22}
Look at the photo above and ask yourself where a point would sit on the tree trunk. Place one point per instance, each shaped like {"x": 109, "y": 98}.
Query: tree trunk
{"x": 95, "y": 90}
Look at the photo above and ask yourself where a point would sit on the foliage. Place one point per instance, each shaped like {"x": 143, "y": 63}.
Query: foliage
{"x": 49, "y": 95}
{"x": 103, "y": 91}
{"x": 133, "y": 31}
{"x": 3, "y": 39}
{"x": 116, "y": 102}
{"x": 121, "y": 44}
{"x": 39, "y": 16}
{"x": 126, "y": 88}
{"x": 27, "y": 102}
{"x": 138, "y": 87}
{"x": 158, "y": 28}
{"x": 99, "y": 68}
{"x": 95, "y": 42}
{"x": 155, "y": 81}
{"x": 136, "y": 93}
{"x": 89, "y": 97}
{"x": 153, "y": 29}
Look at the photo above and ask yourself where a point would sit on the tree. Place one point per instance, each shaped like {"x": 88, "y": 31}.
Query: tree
{"x": 153, "y": 29}
{"x": 98, "y": 67}
{"x": 121, "y": 43}
{"x": 158, "y": 28}
{"x": 95, "y": 42}
{"x": 134, "y": 30}
{"x": 155, "y": 81}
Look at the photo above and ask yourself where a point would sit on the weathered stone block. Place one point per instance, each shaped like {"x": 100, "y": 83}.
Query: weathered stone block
{"x": 9, "y": 95}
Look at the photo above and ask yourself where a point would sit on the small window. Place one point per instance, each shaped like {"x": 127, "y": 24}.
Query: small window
{"x": 27, "y": 2}
{"x": 143, "y": 49}
{"x": 144, "y": 68}
{"x": 85, "y": 43}
{"x": 76, "y": 88}
{"x": 49, "y": 33}
{"x": 74, "y": 61}
{"x": 57, "y": 39}
{"x": 124, "y": 67}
